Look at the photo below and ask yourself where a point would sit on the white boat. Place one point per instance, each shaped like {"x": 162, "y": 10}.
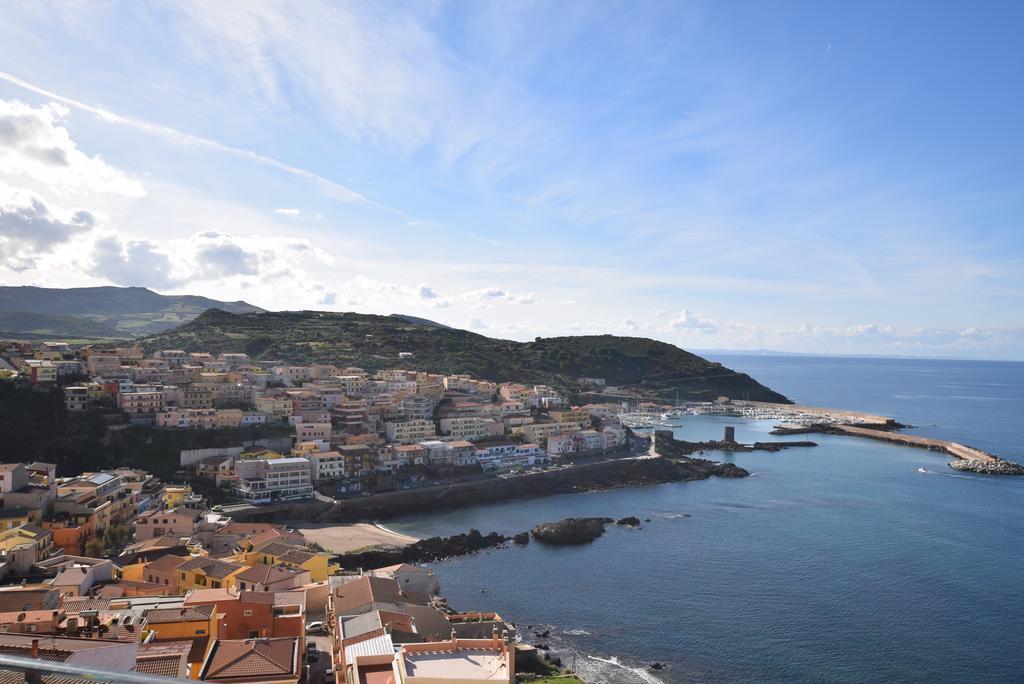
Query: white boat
{"x": 922, "y": 470}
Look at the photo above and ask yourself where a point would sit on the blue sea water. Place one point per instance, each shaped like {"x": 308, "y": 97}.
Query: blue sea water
{"x": 840, "y": 563}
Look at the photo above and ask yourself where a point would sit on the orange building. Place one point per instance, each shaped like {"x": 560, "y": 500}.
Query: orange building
{"x": 253, "y": 615}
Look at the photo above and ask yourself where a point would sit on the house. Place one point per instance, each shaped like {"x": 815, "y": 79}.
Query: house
{"x": 22, "y": 547}
{"x": 177, "y": 522}
{"x": 167, "y": 624}
{"x": 176, "y": 496}
{"x": 457, "y": 661}
{"x": 164, "y": 570}
{"x": 278, "y": 553}
{"x": 254, "y": 661}
{"x": 39, "y": 372}
{"x": 253, "y": 615}
{"x": 271, "y": 578}
{"x": 202, "y": 572}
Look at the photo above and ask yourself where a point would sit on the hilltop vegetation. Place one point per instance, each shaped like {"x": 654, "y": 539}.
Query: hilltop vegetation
{"x": 643, "y": 366}
{"x": 99, "y": 312}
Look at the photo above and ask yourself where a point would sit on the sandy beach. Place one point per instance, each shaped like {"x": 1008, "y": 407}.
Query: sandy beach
{"x": 343, "y": 538}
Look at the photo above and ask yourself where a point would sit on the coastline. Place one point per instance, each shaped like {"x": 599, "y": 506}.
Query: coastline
{"x": 343, "y": 538}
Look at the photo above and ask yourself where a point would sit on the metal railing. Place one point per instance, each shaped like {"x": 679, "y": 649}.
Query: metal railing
{"x": 34, "y": 668}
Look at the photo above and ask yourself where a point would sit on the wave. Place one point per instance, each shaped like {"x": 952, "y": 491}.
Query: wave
{"x": 576, "y": 632}
{"x": 639, "y": 672}
{"x": 676, "y": 516}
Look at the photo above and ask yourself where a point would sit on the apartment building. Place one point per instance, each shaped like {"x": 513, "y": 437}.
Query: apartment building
{"x": 279, "y": 479}
{"x": 471, "y": 427}
{"x": 408, "y": 431}
{"x": 148, "y": 401}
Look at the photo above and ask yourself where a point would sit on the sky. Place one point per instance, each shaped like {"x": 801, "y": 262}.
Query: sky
{"x": 802, "y": 176}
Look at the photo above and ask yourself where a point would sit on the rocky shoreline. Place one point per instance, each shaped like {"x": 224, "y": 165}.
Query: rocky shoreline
{"x": 624, "y": 472}
{"x": 995, "y": 467}
{"x": 669, "y": 447}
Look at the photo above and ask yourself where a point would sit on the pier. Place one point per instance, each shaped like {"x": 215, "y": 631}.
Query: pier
{"x": 958, "y": 451}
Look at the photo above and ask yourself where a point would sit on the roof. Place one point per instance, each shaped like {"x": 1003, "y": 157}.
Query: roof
{"x": 28, "y": 616}
{"x": 211, "y": 567}
{"x": 200, "y": 596}
{"x": 163, "y": 659}
{"x": 267, "y": 574}
{"x": 187, "y": 614}
{"x": 166, "y": 563}
{"x": 27, "y": 599}
{"x": 366, "y": 590}
{"x": 251, "y": 660}
{"x": 463, "y": 664}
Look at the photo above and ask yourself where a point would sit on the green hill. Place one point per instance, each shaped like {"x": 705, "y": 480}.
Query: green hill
{"x": 99, "y": 312}
{"x": 646, "y": 367}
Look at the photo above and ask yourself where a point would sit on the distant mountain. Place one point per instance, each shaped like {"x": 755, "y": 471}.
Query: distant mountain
{"x": 99, "y": 312}
{"x": 646, "y": 367}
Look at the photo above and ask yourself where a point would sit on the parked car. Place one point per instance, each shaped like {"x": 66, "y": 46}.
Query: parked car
{"x": 312, "y": 655}
{"x": 328, "y": 675}
{"x": 314, "y": 627}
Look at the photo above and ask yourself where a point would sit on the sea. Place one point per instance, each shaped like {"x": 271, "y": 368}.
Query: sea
{"x": 838, "y": 563}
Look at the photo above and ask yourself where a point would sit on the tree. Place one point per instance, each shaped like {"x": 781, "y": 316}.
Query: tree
{"x": 94, "y": 548}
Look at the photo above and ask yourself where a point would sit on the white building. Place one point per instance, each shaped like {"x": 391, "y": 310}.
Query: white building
{"x": 276, "y": 479}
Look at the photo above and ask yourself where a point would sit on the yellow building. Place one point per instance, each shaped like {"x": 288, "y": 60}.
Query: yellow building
{"x": 175, "y": 495}
{"x": 15, "y": 517}
{"x": 279, "y": 553}
{"x": 208, "y": 573}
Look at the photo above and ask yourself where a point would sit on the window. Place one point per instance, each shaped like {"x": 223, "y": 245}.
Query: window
{"x": 247, "y": 613}
{"x": 200, "y": 631}
{"x": 254, "y": 634}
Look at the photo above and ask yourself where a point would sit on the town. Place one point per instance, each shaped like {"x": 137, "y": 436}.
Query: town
{"x": 117, "y": 567}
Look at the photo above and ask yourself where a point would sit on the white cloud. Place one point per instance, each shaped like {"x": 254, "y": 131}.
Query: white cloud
{"x": 288, "y": 212}
{"x": 492, "y": 294}
{"x": 30, "y": 227}
{"x": 476, "y": 324}
{"x": 692, "y": 322}
{"x": 132, "y": 263}
{"x": 328, "y": 187}
{"x": 34, "y": 145}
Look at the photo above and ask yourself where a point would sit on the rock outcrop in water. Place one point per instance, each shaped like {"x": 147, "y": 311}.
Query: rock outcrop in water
{"x": 423, "y": 551}
{"x": 570, "y": 531}
{"x": 629, "y": 521}
{"x": 995, "y": 467}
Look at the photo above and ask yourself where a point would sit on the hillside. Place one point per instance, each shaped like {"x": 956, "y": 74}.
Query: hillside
{"x": 99, "y": 312}
{"x": 643, "y": 366}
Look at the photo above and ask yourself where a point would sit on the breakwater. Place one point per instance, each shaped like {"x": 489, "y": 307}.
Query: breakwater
{"x": 968, "y": 458}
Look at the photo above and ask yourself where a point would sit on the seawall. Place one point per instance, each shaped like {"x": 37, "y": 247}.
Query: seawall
{"x": 588, "y": 477}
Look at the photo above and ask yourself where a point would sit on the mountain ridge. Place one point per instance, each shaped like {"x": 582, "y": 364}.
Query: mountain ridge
{"x": 105, "y": 312}
{"x": 640, "y": 366}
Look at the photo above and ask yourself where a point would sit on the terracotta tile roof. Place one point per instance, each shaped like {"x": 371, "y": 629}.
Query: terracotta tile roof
{"x": 163, "y": 659}
{"x": 365, "y": 591}
{"x": 26, "y": 599}
{"x": 211, "y": 567}
{"x": 166, "y": 563}
{"x": 187, "y": 614}
{"x": 297, "y": 556}
{"x": 274, "y": 548}
{"x": 252, "y": 660}
{"x": 266, "y": 574}
{"x": 75, "y": 605}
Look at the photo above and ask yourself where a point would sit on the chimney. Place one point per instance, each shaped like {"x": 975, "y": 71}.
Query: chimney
{"x": 34, "y": 676}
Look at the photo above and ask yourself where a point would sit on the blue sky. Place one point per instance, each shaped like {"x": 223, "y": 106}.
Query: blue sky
{"x": 803, "y": 176}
